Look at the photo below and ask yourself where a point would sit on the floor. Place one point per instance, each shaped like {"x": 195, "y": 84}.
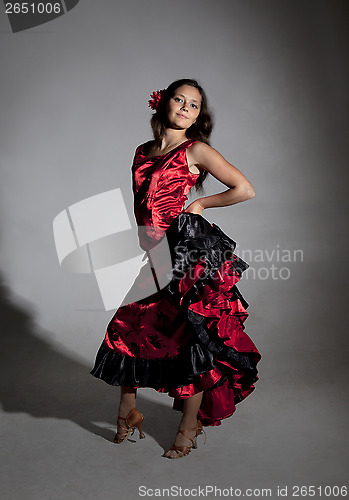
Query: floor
{"x": 58, "y": 423}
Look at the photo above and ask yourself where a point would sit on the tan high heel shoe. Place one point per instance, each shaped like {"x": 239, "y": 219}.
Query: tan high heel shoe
{"x": 134, "y": 419}
{"x": 182, "y": 451}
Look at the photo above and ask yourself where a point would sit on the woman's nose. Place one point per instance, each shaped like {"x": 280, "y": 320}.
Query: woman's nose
{"x": 184, "y": 106}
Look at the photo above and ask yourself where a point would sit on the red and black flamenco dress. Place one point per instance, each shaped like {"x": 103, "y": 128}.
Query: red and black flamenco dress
{"x": 188, "y": 336}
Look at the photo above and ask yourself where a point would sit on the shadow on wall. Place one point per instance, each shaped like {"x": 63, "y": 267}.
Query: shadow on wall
{"x": 45, "y": 383}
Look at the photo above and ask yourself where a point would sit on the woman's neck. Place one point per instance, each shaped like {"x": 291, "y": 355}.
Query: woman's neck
{"x": 172, "y": 138}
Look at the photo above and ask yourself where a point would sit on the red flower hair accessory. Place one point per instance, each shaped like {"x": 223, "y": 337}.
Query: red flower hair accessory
{"x": 155, "y": 99}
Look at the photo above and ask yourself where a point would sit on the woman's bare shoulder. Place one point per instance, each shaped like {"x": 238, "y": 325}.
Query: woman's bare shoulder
{"x": 200, "y": 153}
{"x": 200, "y": 147}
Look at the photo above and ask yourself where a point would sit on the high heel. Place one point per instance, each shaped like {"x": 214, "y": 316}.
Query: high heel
{"x": 133, "y": 420}
{"x": 185, "y": 450}
{"x": 199, "y": 430}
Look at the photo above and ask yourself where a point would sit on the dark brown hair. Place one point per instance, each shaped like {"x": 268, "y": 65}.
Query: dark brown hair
{"x": 200, "y": 130}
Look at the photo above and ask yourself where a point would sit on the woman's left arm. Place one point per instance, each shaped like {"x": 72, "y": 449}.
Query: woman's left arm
{"x": 207, "y": 158}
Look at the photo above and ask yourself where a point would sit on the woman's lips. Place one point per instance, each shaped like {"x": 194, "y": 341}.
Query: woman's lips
{"x": 182, "y": 116}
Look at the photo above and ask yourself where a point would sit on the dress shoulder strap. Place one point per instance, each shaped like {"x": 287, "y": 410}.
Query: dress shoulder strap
{"x": 191, "y": 142}
{"x": 140, "y": 148}
{"x": 187, "y": 144}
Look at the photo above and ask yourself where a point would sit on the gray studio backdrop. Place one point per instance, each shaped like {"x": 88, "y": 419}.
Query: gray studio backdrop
{"x": 73, "y": 109}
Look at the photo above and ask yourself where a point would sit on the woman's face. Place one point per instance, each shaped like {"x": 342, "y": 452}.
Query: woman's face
{"x": 184, "y": 107}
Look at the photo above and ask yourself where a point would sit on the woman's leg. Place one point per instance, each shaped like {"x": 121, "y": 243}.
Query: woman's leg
{"x": 189, "y": 421}
{"x": 127, "y": 400}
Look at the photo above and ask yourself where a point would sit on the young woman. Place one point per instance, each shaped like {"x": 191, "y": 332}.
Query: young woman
{"x": 188, "y": 338}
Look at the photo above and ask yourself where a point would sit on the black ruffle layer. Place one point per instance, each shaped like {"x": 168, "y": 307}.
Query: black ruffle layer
{"x": 165, "y": 373}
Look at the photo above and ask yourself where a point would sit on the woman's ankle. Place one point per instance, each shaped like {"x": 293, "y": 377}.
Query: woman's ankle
{"x": 125, "y": 408}
{"x": 188, "y": 422}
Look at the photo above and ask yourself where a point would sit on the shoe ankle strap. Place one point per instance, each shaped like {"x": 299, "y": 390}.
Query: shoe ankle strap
{"x": 182, "y": 431}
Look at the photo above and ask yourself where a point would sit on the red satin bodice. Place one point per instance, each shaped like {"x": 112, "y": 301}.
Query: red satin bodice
{"x": 160, "y": 186}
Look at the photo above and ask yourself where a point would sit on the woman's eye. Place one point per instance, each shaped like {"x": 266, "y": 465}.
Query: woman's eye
{"x": 177, "y": 99}
{"x": 194, "y": 106}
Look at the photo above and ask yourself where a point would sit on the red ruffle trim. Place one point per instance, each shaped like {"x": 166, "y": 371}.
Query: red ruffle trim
{"x": 225, "y": 318}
